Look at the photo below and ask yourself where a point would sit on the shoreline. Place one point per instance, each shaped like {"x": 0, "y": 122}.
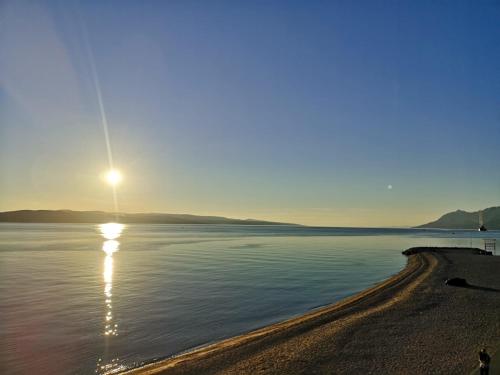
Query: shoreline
{"x": 369, "y": 301}
{"x": 415, "y": 266}
{"x": 409, "y": 323}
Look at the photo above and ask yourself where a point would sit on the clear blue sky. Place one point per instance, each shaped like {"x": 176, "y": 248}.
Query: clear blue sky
{"x": 300, "y": 111}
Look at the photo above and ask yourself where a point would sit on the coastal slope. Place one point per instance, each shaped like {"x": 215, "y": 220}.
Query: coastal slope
{"x": 411, "y": 323}
{"x": 460, "y": 219}
{"x": 97, "y": 217}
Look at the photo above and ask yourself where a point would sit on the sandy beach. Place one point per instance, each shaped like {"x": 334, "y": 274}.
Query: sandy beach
{"x": 410, "y": 324}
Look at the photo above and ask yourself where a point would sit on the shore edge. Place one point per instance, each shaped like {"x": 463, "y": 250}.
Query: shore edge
{"x": 419, "y": 266}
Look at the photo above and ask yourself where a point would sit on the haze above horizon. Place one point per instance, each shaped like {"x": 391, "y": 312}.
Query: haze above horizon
{"x": 319, "y": 113}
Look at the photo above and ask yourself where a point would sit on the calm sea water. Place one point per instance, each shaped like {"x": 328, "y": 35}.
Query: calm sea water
{"x": 81, "y": 299}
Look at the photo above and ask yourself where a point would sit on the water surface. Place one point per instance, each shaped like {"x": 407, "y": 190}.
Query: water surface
{"x": 75, "y": 300}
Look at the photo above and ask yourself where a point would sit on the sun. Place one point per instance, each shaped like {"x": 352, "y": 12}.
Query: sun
{"x": 114, "y": 177}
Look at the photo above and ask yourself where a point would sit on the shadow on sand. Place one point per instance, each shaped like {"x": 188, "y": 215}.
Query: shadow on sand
{"x": 477, "y": 287}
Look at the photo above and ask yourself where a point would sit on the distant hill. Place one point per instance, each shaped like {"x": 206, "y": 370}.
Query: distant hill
{"x": 467, "y": 220}
{"x": 69, "y": 216}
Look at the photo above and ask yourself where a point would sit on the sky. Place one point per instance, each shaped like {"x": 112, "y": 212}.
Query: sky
{"x": 335, "y": 113}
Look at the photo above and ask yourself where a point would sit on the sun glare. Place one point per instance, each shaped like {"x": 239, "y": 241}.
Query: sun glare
{"x": 114, "y": 177}
{"x": 111, "y": 231}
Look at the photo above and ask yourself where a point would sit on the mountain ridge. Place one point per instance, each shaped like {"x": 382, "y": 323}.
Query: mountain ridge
{"x": 461, "y": 219}
{"x": 71, "y": 216}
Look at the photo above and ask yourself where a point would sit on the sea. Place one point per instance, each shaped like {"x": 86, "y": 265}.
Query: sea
{"x": 99, "y": 299}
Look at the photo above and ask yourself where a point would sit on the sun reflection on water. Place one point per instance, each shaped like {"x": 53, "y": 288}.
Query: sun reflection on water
{"x": 110, "y": 232}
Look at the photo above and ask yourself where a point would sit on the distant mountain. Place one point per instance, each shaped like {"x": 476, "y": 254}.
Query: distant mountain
{"x": 467, "y": 220}
{"x": 69, "y": 216}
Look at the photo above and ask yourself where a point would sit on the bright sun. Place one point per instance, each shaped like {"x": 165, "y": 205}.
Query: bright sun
{"x": 114, "y": 177}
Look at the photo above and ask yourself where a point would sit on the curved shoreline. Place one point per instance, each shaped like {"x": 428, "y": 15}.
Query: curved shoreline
{"x": 372, "y": 300}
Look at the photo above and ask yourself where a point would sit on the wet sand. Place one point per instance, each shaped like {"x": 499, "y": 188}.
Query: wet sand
{"x": 410, "y": 324}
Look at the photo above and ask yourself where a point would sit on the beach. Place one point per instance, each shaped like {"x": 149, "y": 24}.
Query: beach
{"x": 410, "y": 323}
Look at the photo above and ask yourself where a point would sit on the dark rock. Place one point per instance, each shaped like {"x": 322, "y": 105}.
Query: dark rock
{"x": 456, "y": 281}
{"x": 430, "y": 249}
{"x": 484, "y": 252}
{"x": 416, "y": 250}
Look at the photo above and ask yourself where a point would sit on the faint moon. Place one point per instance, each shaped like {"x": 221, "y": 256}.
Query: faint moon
{"x": 389, "y": 187}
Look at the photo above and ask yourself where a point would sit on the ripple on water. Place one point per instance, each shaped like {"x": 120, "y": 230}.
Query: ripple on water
{"x": 162, "y": 289}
